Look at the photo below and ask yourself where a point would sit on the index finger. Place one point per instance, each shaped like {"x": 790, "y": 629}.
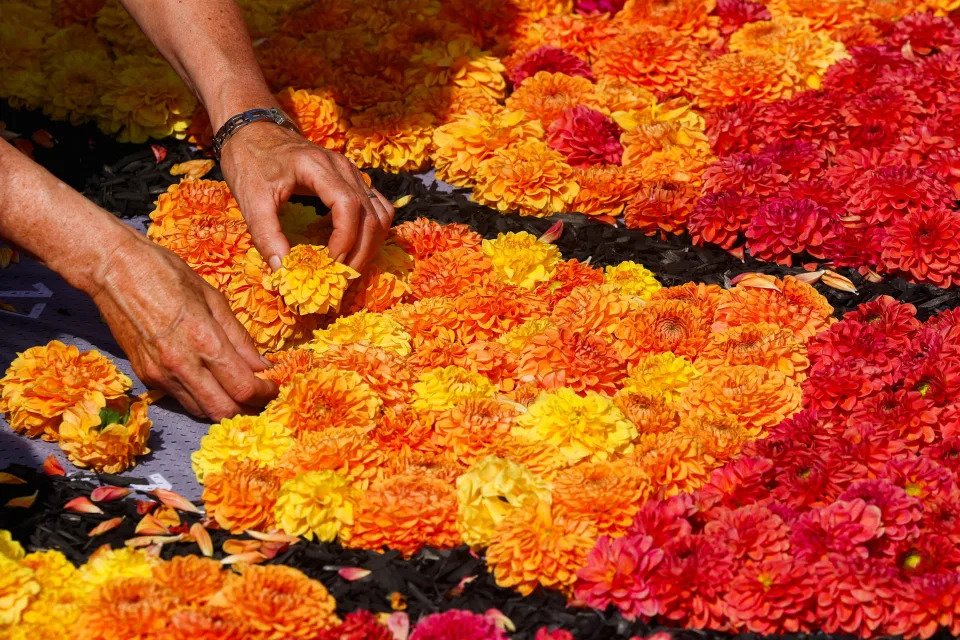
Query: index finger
{"x": 345, "y": 206}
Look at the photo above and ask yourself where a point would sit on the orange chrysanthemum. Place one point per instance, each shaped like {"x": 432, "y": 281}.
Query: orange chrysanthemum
{"x": 439, "y": 352}
{"x": 560, "y": 357}
{"x": 206, "y": 624}
{"x": 402, "y": 429}
{"x": 536, "y": 547}
{"x": 648, "y": 409}
{"x": 528, "y": 177}
{"x": 406, "y": 513}
{"x": 471, "y": 427}
{"x": 651, "y": 58}
{"x": 568, "y": 275}
{"x": 458, "y": 63}
{"x": 648, "y": 144}
{"x": 596, "y": 309}
{"x": 193, "y": 198}
{"x": 449, "y": 273}
{"x": 543, "y": 459}
{"x": 605, "y": 494}
{"x": 279, "y": 603}
{"x": 125, "y": 608}
{"x": 376, "y": 290}
{"x": 212, "y": 245}
{"x": 622, "y": 95}
{"x": 688, "y": 18}
{"x": 191, "y": 578}
{"x": 545, "y": 96}
{"x": 822, "y": 15}
{"x": 322, "y": 399}
{"x": 108, "y": 437}
{"x": 43, "y": 382}
{"x": 582, "y": 35}
{"x": 390, "y": 136}
{"x": 761, "y": 398}
{"x": 763, "y": 344}
{"x": 383, "y": 370}
{"x": 427, "y": 319}
{"x": 487, "y": 312}
{"x": 661, "y": 207}
{"x": 721, "y": 436}
{"x": 667, "y": 325}
{"x": 288, "y": 363}
{"x": 706, "y": 297}
{"x": 675, "y": 466}
{"x": 440, "y": 465}
{"x": 242, "y": 494}
{"x": 448, "y": 104}
{"x": 605, "y": 189}
{"x": 261, "y": 309}
{"x": 422, "y": 238}
{"x": 319, "y": 118}
{"x": 754, "y": 75}
{"x": 791, "y": 304}
{"x": 494, "y": 361}
{"x": 347, "y": 451}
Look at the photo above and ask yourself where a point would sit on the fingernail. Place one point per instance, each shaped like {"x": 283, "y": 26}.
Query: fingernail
{"x": 275, "y": 263}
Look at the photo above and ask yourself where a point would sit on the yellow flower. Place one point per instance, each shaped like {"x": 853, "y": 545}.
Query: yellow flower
{"x": 519, "y": 337}
{"x": 115, "y": 26}
{"x": 489, "y": 491}
{"x": 528, "y": 177}
{"x": 316, "y": 503}
{"x": 364, "y": 327}
{"x": 51, "y": 568}
{"x": 53, "y": 615}
{"x": 76, "y": 80}
{"x": 106, "y": 438}
{"x": 663, "y": 373}
{"x": 588, "y": 427}
{"x": 632, "y": 279}
{"x": 18, "y": 586}
{"x": 520, "y": 259}
{"x": 459, "y": 63}
{"x": 324, "y": 398}
{"x": 441, "y": 389}
{"x": 107, "y": 565}
{"x": 243, "y": 437}
{"x": 311, "y": 281}
{"x": 390, "y": 136}
{"x": 9, "y": 548}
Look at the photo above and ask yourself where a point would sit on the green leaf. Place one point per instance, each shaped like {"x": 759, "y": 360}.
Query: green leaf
{"x": 110, "y": 416}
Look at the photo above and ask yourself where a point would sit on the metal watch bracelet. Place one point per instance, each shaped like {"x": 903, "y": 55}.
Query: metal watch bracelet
{"x": 241, "y": 120}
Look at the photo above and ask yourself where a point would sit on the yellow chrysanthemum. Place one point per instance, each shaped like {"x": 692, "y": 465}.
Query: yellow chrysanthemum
{"x": 528, "y": 177}
{"x": 52, "y": 615}
{"x": 318, "y": 116}
{"x": 663, "y": 373}
{"x": 316, "y": 503}
{"x": 51, "y": 569}
{"x": 520, "y": 259}
{"x": 76, "y": 80}
{"x": 441, "y": 389}
{"x": 254, "y": 438}
{"x": 10, "y": 548}
{"x": 115, "y": 26}
{"x": 459, "y": 63}
{"x": 489, "y": 491}
{"x": 106, "y": 438}
{"x": 519, "y": 337}
{"x": 107, "y": 565}
{"x": 311, "y": 281}
{"x": 632, "y": 279}
{"x": 364, "y": 327}
{"x": 18, "y": 587}
{"x": 390, "y": 136}
{"x": 588, "y": 427}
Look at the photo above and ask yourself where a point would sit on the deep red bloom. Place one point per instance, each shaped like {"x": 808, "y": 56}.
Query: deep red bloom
{"x": 734, "y": 14}
{"x": 770, "y": 597}
{"x": 852, "y": 247}
{"x": 865, "y": 66}
{"x": 870, "y": 447}
{"x": 804, "y": 479}
{"x": 873, "y": 353}
{"x": 906, "y": 415}
{"x": 900, "y": 514}
{"x": 799, "y": 159}
{"x": 846, "y": 527}
{"x": 745, "y": 480}
{"x": 897, "y": 320}
{"x": 601, "y": 6}
{"x": 812, "y": 116}
{"x": 851, "y": 164}
{"x": 887, "y": 193}
{"x": 925, "y": 33}
{"x": 925, "y": 244}
{"x": 745, "y": 173}
{"x": 735, "y": 128}
{"x": 856, "y": 595}
{"x": 586, "y": 137}
{"x": 898, "y": 106}
{"x": 358, "y": 625}
{"x": 690, "y": 582}
{"x": 836, "y": 390}
{"x": 618, "y": 572}
{"x": 552, "y": 59}
{"x": 920, "y": 476}
{"x": 751, "y": 533}
{"x": 947, "y": 450}
{"x": 457, "y": 624}
{"x": 543, "y": 633}
{"x": 936, "y": 378}
{"x": 662, "y": 520}
{"x": 782, "y": 227}
{"x": 720, "y": 217}
{"x": 929, "y": 554}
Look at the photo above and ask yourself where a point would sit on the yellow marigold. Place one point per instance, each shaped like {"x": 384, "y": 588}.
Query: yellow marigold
{"x": 688, "y": 18}
{"x": 449, "y": 273}
{"x": 721, "y": 436}
{"x": 753, "y": 75}
{"x": 545, "y": 96}
{"x": 52, "y": 615}
{"x": 764, "y": 344}
{"x": 348, "y": 451}
{"x": 241, "y": 495}
{"x": 581, "y": 362}
{"x": 518, "y": 337}
{"x": 191, "y": 578}
{"x": 676, "y": 466}
{"x": 212, "y": 245}
{"x": 791, "y": 304}
{"x": 459, "y": 101}
{"x": 604, "y": 189}
{"x": 129, "y": 607}
{"x": 297, "y": 219}
{"x": 536, "y": 547}
{"x": 520, "y": 259}
{"x": 588, "y": 427}
{"x": 759, "y": 397}
{"x": 311, "y": 281}
{"x": 663, "y": 373}
{"x": 622, "y": 95}
{"x": 648, "y": 409}
{"x": 145, "y": 99}
{"x": 486, "y": 312}
{"x": 43, "y": 382}
{"x": 632, "y": 279}
{"x": 191, "y": 199}
{"x": 256, "y": 438}
{"x": 461, "y": 145}
{"x": 592, "y": 309}
{"x": 391, "y": 137}
{"x": 278, "y": 602}
{"x": 10, "y": 548}
{"x": 406, "y": 513}
{"x": 260, "y": 307}
{"x": 386, "y": 372}
{"x": 605, "y": 494}
{"x": 365, "y": 328}
{"x": 108, "y": 565}
{"x": 319, "y": 118}
{"x": 76, "y": 79}
{"x": 429, "y": 318}
{"x": 106, "y": 438}
{"x": 472, "y": 426}
{"x": 489, "y": 491}
{"x": 664, "y": 325}
{"x": 422, "y": 238}
{"x": 459, "y": 63}
{"x": 115, "y": 26}
{"x": 543, "y": 8}
{"x": 527, "y": 177}
{"x": 18, "y": 587}
{"x": 316, "y": 503}
{"x": 393, "y": 259}
{"x": 440, "y": 389}
{"x": 321, "y": 399}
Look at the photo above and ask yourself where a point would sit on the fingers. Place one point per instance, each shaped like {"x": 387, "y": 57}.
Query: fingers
{"x": 235, "y": 332}
{"x": 264, "y": 225}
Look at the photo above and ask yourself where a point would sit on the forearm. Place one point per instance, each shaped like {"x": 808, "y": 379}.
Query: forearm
{"x": 206, "y": 42}
{"x": 51, "y": 221}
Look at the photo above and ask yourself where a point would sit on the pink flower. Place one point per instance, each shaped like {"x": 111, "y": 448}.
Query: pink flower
{"x": 600, "y": 6}
{"x": 736, "y": 13}
{"x": 586, "y": 137}
{"x": 618, "y": 572}
{"x": 552, "y": 59}
{"x": 845, "y": 527}
{"x": 457, "y": 624}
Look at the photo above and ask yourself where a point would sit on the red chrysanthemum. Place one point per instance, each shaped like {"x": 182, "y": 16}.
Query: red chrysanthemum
{"x": 889, "y": 192}
{"x": 661, "y": 206}
{"x": 734, "y": 128}
{"x": 928, "y": 603}
{"x": 811, "y": 116}
{"x": 798, "y": 159}
{"x": 743, "y": 482}
{"x": 358, "y": 625}
{"x": 926, "y": 33}
{"x": 900, "y": 514}
{"x": 734, "y": 14}
{"x": 925, "y": 244}
{"x": 897, "y": 320}
{"x": 774, "y": 596}
{"x": 866, "y": 345}
{"x": 618, "y": 572}
{"x": 663, "y": 520}
{"x": 909, "y": 418}
{"x": 457, "y": 624}
{"x": 803, "y": 479}
{"x": 894, "y": 105}
{"x": 856, "y": 595}
{"x": 547, "y": 58}
{"x": 690, "y": 582}
{"x": 862, "y": 70}
{"x": 784, "y": 226}
{"x": 586, "y": 7}
{"x": 846, "y": 527}
{"x": 752, "y": 533}
{"x": 585, "y": 137}
{"x": 720, "y": 217}
{"x": 744, "y": 173}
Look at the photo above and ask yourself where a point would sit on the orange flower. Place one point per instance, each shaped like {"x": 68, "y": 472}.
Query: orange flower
{"x": 206, "y": 624}
{"x": 567, "y": 276}
{"x": 759, "y": 397}
{"x": 125, "y": 608}
{"x": 675, "y": 466}
{"x": 605, "y": 494}
{"x": 688, "y": 18}
{"x": 528, "y": 177}
{"x": 648, "y": 409}
{"x": 261, "y": 309}
{"x": 754, "y": 75}
{"x": 458, "y": 63}
{"x": 667, "y": 325}
{"x": 376, "y": 291}
{"x": 472, "y": 426}
{"x": 439, "y": 352}
{"x": 654, "y": 59}
{"x": 705, "y": 297}
{"x": 448, "y": 104}
{"x": 543, "y": 8}
{"x": 596, "y": 310}
{"x": 190, "y": 578}
{"x": 401, "y": 429}
{"x": 347, "y": 451}
{"x": 279, "y": 603}
{"x": 383, "y": 370}
{"x": 242, "y": 494}
{"x": 106, "y": 437}
{"x": 405, "y": 512}
{"x": 720, "y": 435}
{"x": 545, "y": 96}
{"x": 422, "y": 238}
{"x": 43, "y": 382}
{"x": 390, "y": 137}
{"x": 622, "y": 95}
{"x": 822, "y": 15}
{"x": 560, "y": 357}
{"x": 212, "y": 245}
{"x": 288, "y": 363}
{"x": 493, "y": 361}
{"x": 604, "y": 189}
{"x": 322, "y": 399}
{"x": 762, "y": 344}
{"x": 543, "y": 459}
{"x": 449, "y": 272}
{"x": 319, "y": 118}
{"x": 427, "y": 319}
{"x": 440, "y": 465}
{"x": 536, "y": 547}
{"x": 193, "y": 198}
{"x": 582, "y": 35}
{"x": 791, "y": 304}
{"x": 489, "y": 311}
{"x": 661, "y": 207}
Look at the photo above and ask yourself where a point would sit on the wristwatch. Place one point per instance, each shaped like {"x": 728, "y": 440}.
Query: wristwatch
{"x": 241, "y": 120}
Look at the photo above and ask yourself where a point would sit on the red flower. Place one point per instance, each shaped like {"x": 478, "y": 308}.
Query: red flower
{"x": 586, "y": 137}
{"x": 812, "y": 116}
{"x": 751, "y": 533}
{"x": 742, "y": 482}
{"x": 870, "y": 447}
{"x": 887, "y": 193}
{"x": 947, "y": 450}
{"x": 893, "y": 105}
{"x": 775, "y": 596}
{"x": 925, "y": 33}
{"x": 857, "y": 247}
{"x": 359, "y": 625}
{"x": 543, "y": 633}
{"x": 864, "y": 68}
{"x": 552, "y": 59}
{"x": 895, "y": 319}
{"x": 871, "y": 351}
{"x": 663, "y": 206}
{"x": 734, "y": 128}
{"x": 856, "y": 595}
{"x": 930, "y": 554}
{"x": 804, "y": 480}
{"x": 926, "y": 245}
{"x": 618, "y": 572}
{"x": 597, "y": 6}
{"x": 734, "y": 14}
{"x": 906, "y": 415}
{"x": 837, "y": 389}
{"x": 799, "y": 159}
{"x": 744, "y": 173}
{"x": 457, "y": 624}
{"x": 852, "y": 164}
{"x": 920, "y": 477}
{"x": 690, "y": 582}
{"x": 900, "y": 514}
{"x": 931, "y": 601}
{"x": 663, "y": 520}
{"x": 720, "y": 217}
{"x": 784, "y": 226}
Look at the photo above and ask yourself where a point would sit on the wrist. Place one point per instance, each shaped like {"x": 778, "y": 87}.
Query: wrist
{"x": 86, "y": 266}
{"x": 231, "y": 101}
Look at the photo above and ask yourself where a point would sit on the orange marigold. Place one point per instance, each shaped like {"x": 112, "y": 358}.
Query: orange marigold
{"x": 206, "y": 624}
{"x": 661, "y": 207}
{"x": 106, "y": 437}
{"x": 376, "y": 290}
{"x": 401, "y": 429}
{"x": 643, "y": 142}
{"x": 543, "y": 459}
{"x": 422, "y": 238}
{"x": 595, "y": 309}
{"x": 667, "y": 325}
{"x": 605, "y": 494}
{"x": 822, "y": 15}
{"x": 472, "y": 426}
{"x": 322, "y": 399}
{"x": 213, "y": 245}
{"x": 448, "y": 104}
{"x": 648, "y": 409}
{"x": 652, "y": 58}
{"x": 764, "y": 344}
{"x": 753, "y": 75}
{"x": 720, "y": 435}
{"x": 791, "y": 304}
{"x": 759, "y": 397}
{"x": 441, "y": 465}
{"x": 192, "y": 198}
{"x": 318, "y": 116}
{"x": 676, "y": 466}
{"x": 347, "y": 451}
{"x": 125, "y": 608}
{"x": 383, "y": 370}
{"x": 605, "y": 189}
{"x": 559, "y": 357}
{"x": 688, "y": 18}
{"x": 622, "y": 95}
{"x": 567, "y": 276}
{"x": 242, "y": 494}
{"x": 427, "y": 319}
{"x": 527, "y": 177}
{"x": 582, "y": 35}
{"x": 278, "y": 602}
{"x": 458, "y": 63}
{"x": 406, "y": 513}
{"x": 288, "y": 363}
{"x": 390, "y": 136}
{"x": 487, "y": 312}
{"x": 545, "y": 96}
{"x": 706, "y": 297}
{"x": 449, "y": 273}
{"x": 190, "y": 578}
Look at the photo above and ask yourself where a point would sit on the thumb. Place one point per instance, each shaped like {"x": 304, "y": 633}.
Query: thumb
{"x": 268, "y": 238}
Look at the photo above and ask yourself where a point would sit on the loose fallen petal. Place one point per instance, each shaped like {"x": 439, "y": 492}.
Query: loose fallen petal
{"x": 353, "y": 573}
{"x": 52, "y": 467}
{"x": 202, "y": 538}
{"x": 192, "y": 169}
{"x": 9, "y": 478}
{"x": 149, "y": 525}
{"x": 23, "y": 502}
{"x": 109, "y": 493}
{"x": 836, "y": 281}
{"x": 252, "y": 557}
{"x": 175, "y": 500}
{"x": 105, "y": 526}
{"x": 552, "y": 234}
{"x": 159, "y": 152}
{"x": 82, "y": 505}
{"x": 402, "y": 201}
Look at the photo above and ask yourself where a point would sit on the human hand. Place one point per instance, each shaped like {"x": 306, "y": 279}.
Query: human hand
{"x": 178, "y": 331}
{"x": 265, "y": 164}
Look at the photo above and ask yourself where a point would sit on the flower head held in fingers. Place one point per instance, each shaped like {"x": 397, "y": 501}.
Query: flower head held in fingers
{"x": 311, "y": 281}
